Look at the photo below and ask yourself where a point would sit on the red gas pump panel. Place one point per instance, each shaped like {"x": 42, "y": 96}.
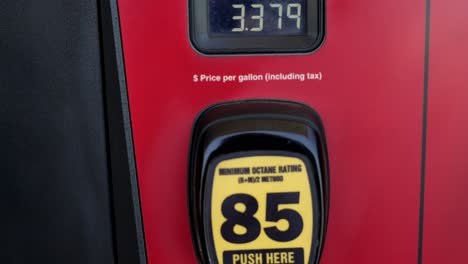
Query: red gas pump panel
{"x": 367, "y": 79}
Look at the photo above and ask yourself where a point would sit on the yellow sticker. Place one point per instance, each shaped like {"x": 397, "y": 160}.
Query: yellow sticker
{"x": 261, "y": 210}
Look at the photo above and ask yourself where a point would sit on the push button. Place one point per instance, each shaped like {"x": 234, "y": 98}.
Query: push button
{"x": 258, "y": 184}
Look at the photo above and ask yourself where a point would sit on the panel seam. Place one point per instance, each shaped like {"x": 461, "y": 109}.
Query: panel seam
{"x": 424, "y": 131}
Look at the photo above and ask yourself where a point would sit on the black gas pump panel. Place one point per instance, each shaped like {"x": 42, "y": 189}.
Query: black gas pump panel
{"x": 260, "y": 26}
{"x": 258, "y": 184}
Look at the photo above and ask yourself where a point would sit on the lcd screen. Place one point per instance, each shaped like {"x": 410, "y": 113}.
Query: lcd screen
{"x": 257, "y": 17}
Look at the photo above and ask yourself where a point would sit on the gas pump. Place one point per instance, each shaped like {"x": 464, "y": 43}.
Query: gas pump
{"x": 234, "y": 131}
{"x": 230, "y": 86}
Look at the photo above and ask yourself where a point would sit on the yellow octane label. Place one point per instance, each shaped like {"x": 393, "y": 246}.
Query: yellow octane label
{"x": 262, "y": 210}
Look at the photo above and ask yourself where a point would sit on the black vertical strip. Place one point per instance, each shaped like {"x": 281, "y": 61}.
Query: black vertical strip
{"x": 424, "y": 132}
{"x": 129, "y": 242}
{"x": 54, "y": 188}
{"x": 108, "y": 164}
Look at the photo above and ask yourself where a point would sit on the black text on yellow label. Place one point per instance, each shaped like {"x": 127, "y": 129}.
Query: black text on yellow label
{"x": 262, "y": 210}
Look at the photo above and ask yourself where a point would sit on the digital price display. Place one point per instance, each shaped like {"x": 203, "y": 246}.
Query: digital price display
{"x": 256, "y": 26}
{"x": 239, "y": 17}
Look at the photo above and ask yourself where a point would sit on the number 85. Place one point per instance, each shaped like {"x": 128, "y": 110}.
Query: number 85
{"x": 252, "y": 225}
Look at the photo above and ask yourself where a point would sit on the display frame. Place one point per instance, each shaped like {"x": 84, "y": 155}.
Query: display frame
{"x": 211, "y": 44}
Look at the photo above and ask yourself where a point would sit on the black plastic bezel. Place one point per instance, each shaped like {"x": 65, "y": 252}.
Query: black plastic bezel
{"x": 210, "y": 141}
{"x": 212, "y": 44}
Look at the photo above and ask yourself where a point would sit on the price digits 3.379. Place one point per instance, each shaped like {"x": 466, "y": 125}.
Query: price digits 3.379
{"x": 293, "y": 11}
{"x": 252, "y": 226}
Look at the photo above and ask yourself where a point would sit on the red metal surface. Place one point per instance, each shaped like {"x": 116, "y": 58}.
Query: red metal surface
{"x": 370, "y": 100}
{"x": 446, "y": 210}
